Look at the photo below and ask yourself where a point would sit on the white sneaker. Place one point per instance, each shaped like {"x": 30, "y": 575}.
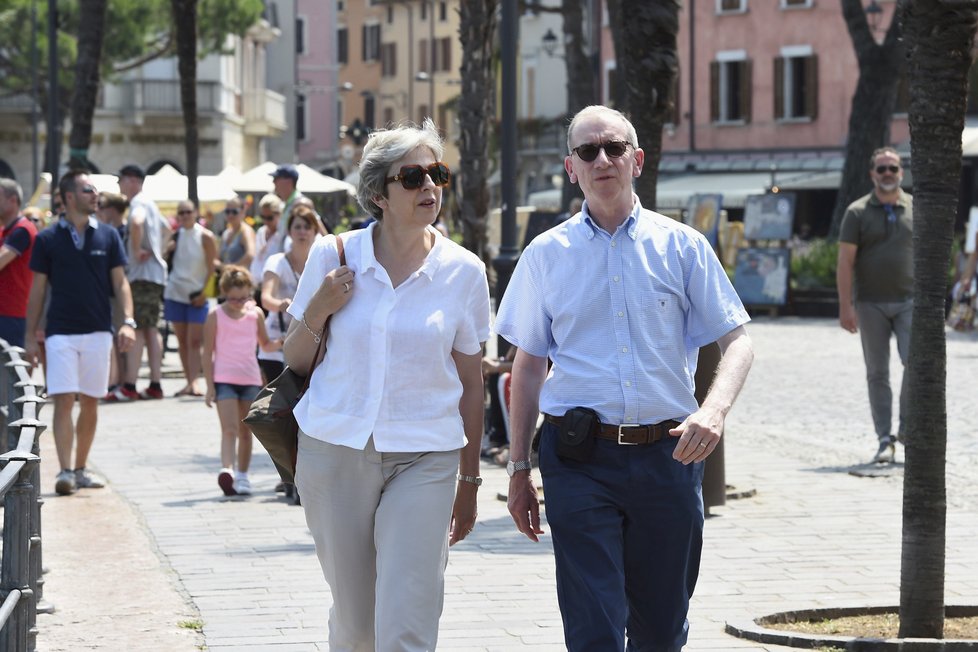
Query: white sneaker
{"x": 64, "y": 483}
{"x": 85, "y": 479}
{"x": 242, "y": 485}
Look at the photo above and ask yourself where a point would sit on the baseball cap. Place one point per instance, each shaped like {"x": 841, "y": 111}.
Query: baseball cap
{"x": 286, "y": 171}
{"x": 132, "y": 170}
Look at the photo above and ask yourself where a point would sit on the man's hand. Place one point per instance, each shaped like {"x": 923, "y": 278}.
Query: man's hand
{"x": 125, "y": 338}
{"x": 698, "y": 436}
{"x": 32, "y": 350}
{"x": 524, "y": 506}
{"x": 847, "y": 318}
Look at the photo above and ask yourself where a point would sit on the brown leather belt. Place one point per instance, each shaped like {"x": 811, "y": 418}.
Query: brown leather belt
{"x": 626, "y": 433}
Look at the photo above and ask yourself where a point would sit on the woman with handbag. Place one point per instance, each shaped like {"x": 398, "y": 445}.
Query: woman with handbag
{"x": 391, "y": 425}
{"x": 190, "y": 253}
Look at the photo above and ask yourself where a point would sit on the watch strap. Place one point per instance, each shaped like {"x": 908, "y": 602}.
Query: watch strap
{"x": 471, "y": 479}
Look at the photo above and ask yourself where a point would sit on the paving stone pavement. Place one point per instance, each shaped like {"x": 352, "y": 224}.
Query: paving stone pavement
{"x": 245, "y": 568}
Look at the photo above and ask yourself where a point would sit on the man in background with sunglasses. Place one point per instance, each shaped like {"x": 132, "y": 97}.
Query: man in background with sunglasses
{"x": 620, "y": 299}
{"x": 876, "y": 261}
{"x": 83, "y": 261}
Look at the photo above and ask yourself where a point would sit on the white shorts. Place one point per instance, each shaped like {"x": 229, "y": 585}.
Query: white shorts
{"x": 78, "y": 363}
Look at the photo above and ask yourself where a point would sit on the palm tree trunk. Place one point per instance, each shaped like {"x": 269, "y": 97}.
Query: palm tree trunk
{"x": 476, "y": 112}
{"x": 185, "y": 20}
{"x": 871, "y": 110}
{"x": 91, "y": 28}
{"x": 940, "y": 35}
{"x": 649, "y": 65}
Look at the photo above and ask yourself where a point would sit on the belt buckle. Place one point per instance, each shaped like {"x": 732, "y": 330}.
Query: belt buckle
{"x": 621, "y": 426}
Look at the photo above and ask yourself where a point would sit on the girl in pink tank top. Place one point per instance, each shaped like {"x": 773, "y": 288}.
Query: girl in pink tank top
{"x": 232, "y": 333}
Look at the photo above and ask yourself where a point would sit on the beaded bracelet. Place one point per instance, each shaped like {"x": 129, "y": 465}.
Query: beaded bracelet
{"x": 315, "y": 336}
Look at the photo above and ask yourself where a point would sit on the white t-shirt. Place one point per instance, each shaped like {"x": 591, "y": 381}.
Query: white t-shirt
{"x": 277, "y": 323}
{"x": 388, "y": 370}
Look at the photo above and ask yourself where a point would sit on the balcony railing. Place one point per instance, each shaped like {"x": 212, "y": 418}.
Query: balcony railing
{"x": 264, "y": 112}
{"x": 163, "y": 96}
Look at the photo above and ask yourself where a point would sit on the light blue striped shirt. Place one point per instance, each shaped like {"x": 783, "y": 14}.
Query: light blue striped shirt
{"x": 621, "y": 316}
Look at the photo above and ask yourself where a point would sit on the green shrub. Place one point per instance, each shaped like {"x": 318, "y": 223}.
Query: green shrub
{"x": 813, "y": 265}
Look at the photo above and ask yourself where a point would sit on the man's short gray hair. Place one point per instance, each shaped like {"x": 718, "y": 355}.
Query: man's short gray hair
{"x": 386, "y": 146}
{"x": 597, "y": 110}
{"x": 12, "y": 189}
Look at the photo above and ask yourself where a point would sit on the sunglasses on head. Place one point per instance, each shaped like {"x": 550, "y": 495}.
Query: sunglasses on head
{"x": 88, "y": 190}
{"x": 892, "y": 169}
{"x": 412, "y": 176}
{"x": 589, "y": 151}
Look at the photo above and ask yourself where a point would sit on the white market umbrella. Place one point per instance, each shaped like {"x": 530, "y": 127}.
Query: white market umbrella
{"x": 311, "y": 182}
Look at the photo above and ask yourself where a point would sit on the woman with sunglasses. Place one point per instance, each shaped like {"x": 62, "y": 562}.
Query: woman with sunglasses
{"x": 390, "y": 428}
{"x": 191, "y": 252}
{"x": 238, "y": 238}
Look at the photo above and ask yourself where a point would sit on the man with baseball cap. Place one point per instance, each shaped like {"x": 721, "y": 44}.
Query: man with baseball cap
{"x": 286, "y": 178}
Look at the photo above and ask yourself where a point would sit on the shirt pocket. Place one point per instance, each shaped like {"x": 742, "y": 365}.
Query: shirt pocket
{"x": 662, "y": 318}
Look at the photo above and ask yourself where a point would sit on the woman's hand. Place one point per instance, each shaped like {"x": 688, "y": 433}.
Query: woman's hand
{"x": 464, "y": 512}
{"x": 210, "y": 396}
{"x": 336, "y": 289}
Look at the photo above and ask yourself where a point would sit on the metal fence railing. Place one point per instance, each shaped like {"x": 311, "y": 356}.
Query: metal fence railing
{"x": 20, "y": 568}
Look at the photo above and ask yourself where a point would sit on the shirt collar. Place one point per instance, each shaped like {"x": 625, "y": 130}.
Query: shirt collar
{"x": 65, "y": 224}
{"x": 630, "y": 225}
{"x": 368, "y": 258}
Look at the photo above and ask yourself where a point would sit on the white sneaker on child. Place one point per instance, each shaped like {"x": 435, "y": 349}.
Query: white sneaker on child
{"x": 242, "y": 485}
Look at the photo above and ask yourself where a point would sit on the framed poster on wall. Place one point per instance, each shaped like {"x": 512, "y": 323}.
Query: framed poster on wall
{"x": 703, "y": 214}
{"x": 770, "y": 216}
{"x": 761, "y": 276}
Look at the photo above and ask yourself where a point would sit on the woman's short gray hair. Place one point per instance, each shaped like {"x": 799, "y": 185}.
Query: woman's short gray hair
{"x": 386, "y": 146}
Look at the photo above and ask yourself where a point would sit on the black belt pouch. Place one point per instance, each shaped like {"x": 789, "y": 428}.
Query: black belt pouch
{"x": 577, "y": 433}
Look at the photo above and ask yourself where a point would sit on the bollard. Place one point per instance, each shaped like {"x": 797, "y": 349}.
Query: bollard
{"x": 714, "y": 475}
{"x": 19, "y": 633}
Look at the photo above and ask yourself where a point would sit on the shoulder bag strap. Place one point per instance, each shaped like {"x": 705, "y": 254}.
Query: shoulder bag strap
{"x": 321, "y": 349}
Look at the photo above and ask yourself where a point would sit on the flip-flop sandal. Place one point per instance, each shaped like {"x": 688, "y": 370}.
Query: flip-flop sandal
{"x": 186, "y": 391}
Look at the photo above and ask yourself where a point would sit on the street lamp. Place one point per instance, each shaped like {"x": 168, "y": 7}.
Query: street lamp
{"x": 873, "y": 14}
{"x": 550, "y": 42}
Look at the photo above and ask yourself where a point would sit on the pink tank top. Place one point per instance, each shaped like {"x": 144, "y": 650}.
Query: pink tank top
{"x": 234, "y": 349}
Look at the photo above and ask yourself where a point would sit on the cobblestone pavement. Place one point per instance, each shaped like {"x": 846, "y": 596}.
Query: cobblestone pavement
{"x": 245, "y": 569}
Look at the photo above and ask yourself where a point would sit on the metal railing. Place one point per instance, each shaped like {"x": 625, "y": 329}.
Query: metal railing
{"x": 20, "y": 568}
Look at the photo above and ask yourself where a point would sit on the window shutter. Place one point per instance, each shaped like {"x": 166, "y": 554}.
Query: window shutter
{"x": 715, "y": 91}
{"x": 779, "y": 88}
{"x": 364, "y": 35}
{"x": 745, "y": 90}
{"x": 811, "y": 86}
{"x": 446, "y": 53}
{"x": 423, "y": 55}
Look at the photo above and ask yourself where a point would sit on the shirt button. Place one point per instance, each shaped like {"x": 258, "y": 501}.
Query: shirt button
{"x": 621, "y": 314}
{"x": 624, "y": 349}
{"x": 616, "y": 279}
{"x": 613, "y": 243}
{"x": 628, "y": 383}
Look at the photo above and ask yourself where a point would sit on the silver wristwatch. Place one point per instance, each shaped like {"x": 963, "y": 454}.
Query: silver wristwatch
{"x": 130, "y": 322}
{"x": 512, "y": 467}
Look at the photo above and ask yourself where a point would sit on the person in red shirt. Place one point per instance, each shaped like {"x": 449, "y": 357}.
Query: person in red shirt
{"x": 16, "y": 242}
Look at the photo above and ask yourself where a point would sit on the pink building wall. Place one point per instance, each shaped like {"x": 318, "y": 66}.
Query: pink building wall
{"x": 762, "y": 31}
{"x": 316, "y": 69}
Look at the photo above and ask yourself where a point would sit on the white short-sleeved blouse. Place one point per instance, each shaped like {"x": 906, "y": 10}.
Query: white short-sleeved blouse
{"x": 388, "y": 370}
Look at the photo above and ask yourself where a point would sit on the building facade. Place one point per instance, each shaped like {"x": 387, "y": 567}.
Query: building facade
{"x": 138, "y": 118}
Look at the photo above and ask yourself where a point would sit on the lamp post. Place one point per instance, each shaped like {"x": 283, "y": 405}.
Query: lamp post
{"x": 54, "y": 129}
{"x": 873, "y": 14}
{"x": 505, "y": 262}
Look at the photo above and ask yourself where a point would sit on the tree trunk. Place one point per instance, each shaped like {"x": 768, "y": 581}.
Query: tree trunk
{"x": 616, "y": 92}
{"x": 649, "y": 63}
{"x": 185, "y": 21}
{"x": 581, "y": 86}
{"x": 91, "y": 28}
{"x": 871, "y": 111}
{"x": 940, "y": 35}
{"x": 476, "y": 112}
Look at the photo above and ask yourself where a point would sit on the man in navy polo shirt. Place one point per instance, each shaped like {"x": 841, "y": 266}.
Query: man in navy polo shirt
{"x": 83, "y": 261}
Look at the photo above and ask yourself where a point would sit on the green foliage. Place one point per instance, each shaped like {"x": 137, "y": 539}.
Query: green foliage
{"x": 814, "y": 266}
{"x": 134, "y": 30}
